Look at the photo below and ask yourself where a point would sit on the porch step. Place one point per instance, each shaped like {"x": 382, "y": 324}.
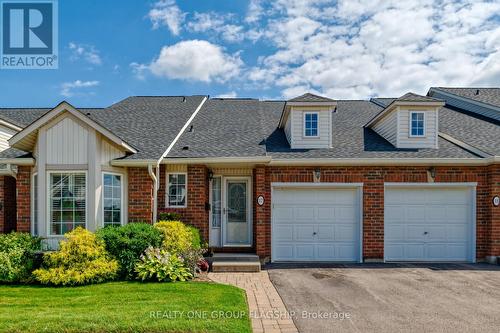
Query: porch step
{"x": 234, "y": 262}
{"x": 235, "y": 266}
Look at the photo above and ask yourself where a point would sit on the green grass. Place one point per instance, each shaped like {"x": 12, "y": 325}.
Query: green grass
{"x": 124, "y": 307}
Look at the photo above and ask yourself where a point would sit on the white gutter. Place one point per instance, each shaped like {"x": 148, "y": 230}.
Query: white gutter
{"x": 133, "y": 163}
{"x": 18, "y": 161}
{"x": 155, "y": 190}
{"x": 10, "y": 125}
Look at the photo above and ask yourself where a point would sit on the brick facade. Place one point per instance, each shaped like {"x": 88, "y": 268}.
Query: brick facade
{"x": 140, "y": 195}
{"x": 196, "y": 212}
{"x": 373, "y": 179}
{"x": 494, "y": 226}
{"x": 23, "y": 187}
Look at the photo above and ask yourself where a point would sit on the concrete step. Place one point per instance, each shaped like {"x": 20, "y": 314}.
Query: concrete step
{"x": 233, "y": 257}
{"x": 235, "y": 266}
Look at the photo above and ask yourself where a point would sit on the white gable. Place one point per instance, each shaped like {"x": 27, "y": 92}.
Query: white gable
{"x": 67, "y": 142}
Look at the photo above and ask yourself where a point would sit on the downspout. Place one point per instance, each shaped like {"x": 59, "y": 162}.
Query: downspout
{"x": 155, "y": 190}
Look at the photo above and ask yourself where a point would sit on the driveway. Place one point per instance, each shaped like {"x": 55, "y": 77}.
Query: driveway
{"x": 391, "y": 298}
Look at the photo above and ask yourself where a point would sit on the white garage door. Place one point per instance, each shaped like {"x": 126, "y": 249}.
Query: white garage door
{"x": 429, "y": 224}
{"x": 310, "y": 224}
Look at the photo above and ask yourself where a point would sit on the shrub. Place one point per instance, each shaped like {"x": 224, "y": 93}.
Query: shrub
{"x": 82, "y": 259}
{"x": 159, "y": 265}
{"x": 17, "y": 256}
{"x": 169, "y": 217}
{"x": 177, "y": 237}
{"x": 128, "y": 242}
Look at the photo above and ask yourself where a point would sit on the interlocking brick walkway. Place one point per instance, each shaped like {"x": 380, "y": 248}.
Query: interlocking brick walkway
{"x": 267, "y": 311}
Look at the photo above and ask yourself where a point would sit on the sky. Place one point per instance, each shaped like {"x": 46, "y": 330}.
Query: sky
{"x": 346, "y": 49}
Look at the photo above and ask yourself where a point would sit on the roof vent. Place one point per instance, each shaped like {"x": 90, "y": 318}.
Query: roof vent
{"x": 88, "y": 113}
{"x": 477, "y": 91}
{"x": 190, "y": 128}
{"x": 183, "y": 99}
{"x": 185, "y": 148}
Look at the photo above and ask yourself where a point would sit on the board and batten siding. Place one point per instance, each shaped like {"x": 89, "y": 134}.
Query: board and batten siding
{"x": 67, "y": 142}
{"x": 387, "y": 127}
{"x": 464, "y": 105}
{"x": 5, "y": 134}
{"x": 297, "y": 138}
{"x": 431, "y": 129}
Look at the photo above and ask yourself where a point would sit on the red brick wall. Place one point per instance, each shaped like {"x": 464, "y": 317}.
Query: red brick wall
{"x": 23, "y": 187}
{"x": 195, "y": 213}
{"x": 140, "y": 195}
{"x": 373, "y": 198}
{"x": 9, "y": 204}
{"x": 494, "y": 227}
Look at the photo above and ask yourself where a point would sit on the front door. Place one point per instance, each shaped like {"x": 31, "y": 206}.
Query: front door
{"x": 237, "y": 212}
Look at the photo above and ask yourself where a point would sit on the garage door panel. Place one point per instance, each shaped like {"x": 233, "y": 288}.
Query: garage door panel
{"x": 284, "y": 232}
{"x": 325, "y": 224}
{"x": 438, "y": 228}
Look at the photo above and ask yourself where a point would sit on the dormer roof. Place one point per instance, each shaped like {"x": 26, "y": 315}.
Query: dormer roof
{"x": 306, "y": 100}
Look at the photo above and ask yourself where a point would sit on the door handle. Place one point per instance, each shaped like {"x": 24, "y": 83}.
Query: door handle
{"x": 425, "y": 232}
{"x": 314, "y": 233}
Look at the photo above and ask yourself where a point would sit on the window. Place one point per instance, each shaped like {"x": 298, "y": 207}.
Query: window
{"x": 417, "y": 124}
{"x": 216, "y": 202}
{"x": 176, "y": 185}
{"x": 68, "y": 204}
{"x": 310, "y": 124}
{"x": 112, "y": 198}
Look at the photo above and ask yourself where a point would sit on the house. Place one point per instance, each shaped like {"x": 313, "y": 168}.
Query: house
{"x": 414, "y": 178}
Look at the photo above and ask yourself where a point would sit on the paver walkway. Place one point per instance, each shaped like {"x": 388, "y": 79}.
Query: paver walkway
{"x": 267, "y": 311}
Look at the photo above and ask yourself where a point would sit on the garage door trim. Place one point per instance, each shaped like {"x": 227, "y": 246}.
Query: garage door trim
{"x": 359, "y": 191}
{"x": 468, "y": 185}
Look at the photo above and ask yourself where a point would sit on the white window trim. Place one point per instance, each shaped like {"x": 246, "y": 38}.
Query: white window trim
{"x": 425, "y": 125}
{"x": 166, "y": 189}
{"x": 32, "y": 228}
{"x": 49, "y": 185}
{"x": 304, "y": 125}
{"x": 122, "y": 203}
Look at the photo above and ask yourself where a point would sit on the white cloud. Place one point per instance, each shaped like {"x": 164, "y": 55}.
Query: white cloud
{"x": 68, "y": 88}
{"x": 167, "y": 13}
{"x": 218, "y": 23}
{"x": 85, "y": 52}
{"x": 361, "y": 48}
{"x": 230, "y": 94}
{"x": 195, "y": 60}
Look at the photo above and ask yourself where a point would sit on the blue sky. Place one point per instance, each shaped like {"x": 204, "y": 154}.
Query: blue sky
{"x": 109, "y": 50}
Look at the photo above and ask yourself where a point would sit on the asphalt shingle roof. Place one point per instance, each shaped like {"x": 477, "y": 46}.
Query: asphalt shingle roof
{"x": 485, "y": 95}
{"x": 352, "y": 140}
{"x": 308, "y": 97}
{"x": 229, "y": 128}
{"x": 22, "y": 117}
{"x": 147, "y": 123}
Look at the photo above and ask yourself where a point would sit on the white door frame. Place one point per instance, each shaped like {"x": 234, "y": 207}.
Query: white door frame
{"x": 224, "y": 197}
{"x": 470, "y": 186}
{"x": 359, "y": 192}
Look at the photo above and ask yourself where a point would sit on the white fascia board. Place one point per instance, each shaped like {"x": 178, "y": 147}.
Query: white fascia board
{"x": 464, "y": 145}
{"x": 18, "y": 161}
{"x": 65, "y": 106}
{"x": 395, "y": 104}
{"x": 133, "y": 163}
{"x": 188, "y": 122}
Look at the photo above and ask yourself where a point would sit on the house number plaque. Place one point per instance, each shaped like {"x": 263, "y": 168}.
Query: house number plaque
{"x": 496, "y": 201}
{"x": 260, "y": 200}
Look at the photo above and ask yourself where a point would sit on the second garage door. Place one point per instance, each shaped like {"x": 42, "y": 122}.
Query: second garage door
{"x": 429, "y": 224}
{"x": 315, "y": 224}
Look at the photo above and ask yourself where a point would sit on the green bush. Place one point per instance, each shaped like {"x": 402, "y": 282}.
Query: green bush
{"x": 17, "y": 256}
{"x": 159, "y": 265}
{"x": 82, "y": 259}
{"x": 127, "y": 243}
{"x": 169, "y": 217}
{"x": 195, "y": 237}
{"x": 177, "y": 237}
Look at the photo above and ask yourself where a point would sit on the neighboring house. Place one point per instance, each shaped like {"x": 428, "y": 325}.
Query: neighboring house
{"x": 310, "y": 179}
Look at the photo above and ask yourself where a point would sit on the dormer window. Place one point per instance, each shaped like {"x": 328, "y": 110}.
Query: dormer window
{"x": 417, "y": 124}
{"x": 311, "y": 124}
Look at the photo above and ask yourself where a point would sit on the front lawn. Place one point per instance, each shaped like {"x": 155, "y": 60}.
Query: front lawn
{"x": 125, "y": 307}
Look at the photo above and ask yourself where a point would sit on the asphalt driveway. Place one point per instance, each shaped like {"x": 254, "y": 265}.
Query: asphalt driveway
{"x": 391, "y": 298}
